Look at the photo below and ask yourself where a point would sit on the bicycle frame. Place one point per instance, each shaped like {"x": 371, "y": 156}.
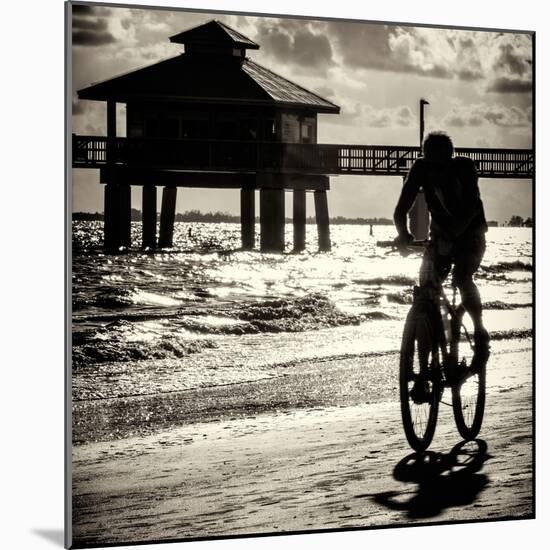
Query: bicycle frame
{"x": 450, "y": 322}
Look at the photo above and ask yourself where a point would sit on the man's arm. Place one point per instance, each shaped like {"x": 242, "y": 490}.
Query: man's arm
{"x": 406, "y": 200}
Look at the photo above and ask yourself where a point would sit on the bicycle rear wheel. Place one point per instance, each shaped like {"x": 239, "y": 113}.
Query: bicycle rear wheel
{"x": 469, "y": 391}
{"x": 418, "y": 360}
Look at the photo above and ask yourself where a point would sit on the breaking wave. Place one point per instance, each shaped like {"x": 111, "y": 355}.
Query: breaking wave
{"x": 126, "y": 340}
{"x": 118, "y": 342}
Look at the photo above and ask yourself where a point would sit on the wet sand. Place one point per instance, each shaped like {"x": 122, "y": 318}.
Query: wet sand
{"x": 318, "y": 458}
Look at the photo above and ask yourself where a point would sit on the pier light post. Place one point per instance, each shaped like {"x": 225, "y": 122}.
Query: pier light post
{"x": 422, "y": 103}
{"x": 419, "y": 215}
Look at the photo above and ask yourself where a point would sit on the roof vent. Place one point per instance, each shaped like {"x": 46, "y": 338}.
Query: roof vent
{"x": 214, "y": 38}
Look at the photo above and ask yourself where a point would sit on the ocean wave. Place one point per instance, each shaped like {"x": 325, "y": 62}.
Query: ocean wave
{"x": 121, "y": 297}
{"x": 130, "y": 340}
{"x": 501, "y": 267}
{"x": 313, "y": 311}
{"x": 497, "y": 304}
{"x": 512, "y": 334}
{"x": 376, "y": 316}
{"x": 117, "y": 343}
{"x": 403, "y": 298}
{"x": 391, "y": 280}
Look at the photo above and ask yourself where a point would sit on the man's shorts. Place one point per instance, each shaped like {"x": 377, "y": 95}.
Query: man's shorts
{"x": 463, "y": 255}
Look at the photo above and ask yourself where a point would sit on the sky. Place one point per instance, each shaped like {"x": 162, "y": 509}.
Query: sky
{"x": 478, "y": 84}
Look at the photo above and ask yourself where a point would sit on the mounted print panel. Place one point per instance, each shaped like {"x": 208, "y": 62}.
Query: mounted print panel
{"x": 302, "y": 257}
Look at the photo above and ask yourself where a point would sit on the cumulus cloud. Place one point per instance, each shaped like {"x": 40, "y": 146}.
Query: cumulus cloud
{"x": 427, "y": 52}
{"x": 503, "y": 60}
{"x": 297, "y": 43}
{"x": 511, "y": 64}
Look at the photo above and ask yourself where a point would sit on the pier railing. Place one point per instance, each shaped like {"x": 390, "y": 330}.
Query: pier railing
{"x": 251, "y": 156}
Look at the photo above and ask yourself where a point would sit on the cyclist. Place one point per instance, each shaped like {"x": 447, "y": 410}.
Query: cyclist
{"x": 457, "y": 227}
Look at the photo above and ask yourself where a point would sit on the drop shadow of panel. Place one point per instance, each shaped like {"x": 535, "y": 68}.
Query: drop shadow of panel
{"x": 444, "y": 480}
{"x": 52, "y": 535}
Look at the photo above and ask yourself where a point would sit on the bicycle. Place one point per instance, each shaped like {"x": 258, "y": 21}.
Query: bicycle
{"x": 437, "y": 352}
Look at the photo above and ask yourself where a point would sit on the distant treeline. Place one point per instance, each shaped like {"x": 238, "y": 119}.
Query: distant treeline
{"x": 217, "y": 217}
{"x": 518, "y": 221}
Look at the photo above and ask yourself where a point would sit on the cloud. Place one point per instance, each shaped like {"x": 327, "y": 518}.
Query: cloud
{"x": 83, "y": 10}
{"x": 78, "y": 108}
{"x": 477, "y": 115}
{"x": 90, "y": 26}
{"x": 511, "y": 64}
{"x": 501, "y": 60}
{"x": 511, "y": 60}
{"x": 359, "y": 114}
{"x": 294, "y": 42}
{"x": 325, "y": 91}
{"x": 505, "y": 84}
{"x": 91, "y": 38}
{"x": 387, "y": 117}
{"x": 426, "y": 52}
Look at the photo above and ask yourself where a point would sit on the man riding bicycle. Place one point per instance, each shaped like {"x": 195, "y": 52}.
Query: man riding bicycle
{"x": 458, "y": 225}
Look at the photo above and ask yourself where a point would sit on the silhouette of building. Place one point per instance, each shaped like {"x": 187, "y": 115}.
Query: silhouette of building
{"x": 213, "y": 103}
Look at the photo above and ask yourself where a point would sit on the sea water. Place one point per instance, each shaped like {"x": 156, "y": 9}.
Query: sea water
{"x": 205, "y": 313}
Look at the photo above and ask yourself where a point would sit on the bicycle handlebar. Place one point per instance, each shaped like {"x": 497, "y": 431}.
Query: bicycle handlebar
{"x": 417, "y": 245}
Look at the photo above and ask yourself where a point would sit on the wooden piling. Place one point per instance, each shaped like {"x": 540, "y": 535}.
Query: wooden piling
{"x": 322, "y": 219}
{"x": 111, "y": 237}
{"x": 125, "y": 214}
{"x": 272, "y": 220}
{"x": 167, "y": 217}
{"x": 248, "y": 213}
{"x": 299, "y": 219}
{"x": 149, "y": 216}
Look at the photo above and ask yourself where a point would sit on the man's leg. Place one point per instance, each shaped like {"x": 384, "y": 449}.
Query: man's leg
{"x": 471, "y": 300}
{"x": 467, "y": 261}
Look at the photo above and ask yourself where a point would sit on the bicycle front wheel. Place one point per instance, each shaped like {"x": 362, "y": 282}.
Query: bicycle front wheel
{"x": 417, "y": 367}
{"x": 469, "y": 391}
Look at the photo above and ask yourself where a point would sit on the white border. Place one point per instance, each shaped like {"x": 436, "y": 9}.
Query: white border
{"x": 32, "y": 270}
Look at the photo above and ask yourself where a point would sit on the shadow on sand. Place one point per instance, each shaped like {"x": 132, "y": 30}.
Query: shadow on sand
{"x": 444, "y": 480}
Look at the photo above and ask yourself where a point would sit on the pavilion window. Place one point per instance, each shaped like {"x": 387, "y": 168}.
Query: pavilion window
{"x": 307, "y": 133}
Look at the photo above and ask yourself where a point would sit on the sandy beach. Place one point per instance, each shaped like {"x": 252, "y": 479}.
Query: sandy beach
{"x": 307, "y": 460}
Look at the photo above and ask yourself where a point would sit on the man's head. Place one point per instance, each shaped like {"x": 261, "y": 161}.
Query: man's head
{"x": 438, "y": 147}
